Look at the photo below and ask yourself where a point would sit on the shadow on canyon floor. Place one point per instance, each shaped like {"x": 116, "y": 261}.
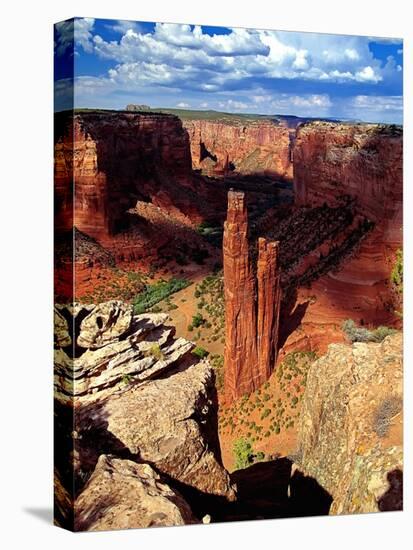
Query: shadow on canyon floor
{"x": 291, "y": 315}
{"x": 265, "y": 490}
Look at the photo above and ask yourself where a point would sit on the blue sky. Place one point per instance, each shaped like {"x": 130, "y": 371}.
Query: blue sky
{"x": 230, "y": 69}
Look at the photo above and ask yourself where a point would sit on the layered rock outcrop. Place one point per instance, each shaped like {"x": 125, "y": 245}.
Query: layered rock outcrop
{"x": 252, "y": 302}
{"x": 136, "y": 393}
{"x": 244, "y": 147}
{"x": 116, "y": 159}
{"x": 350, "y": 433}
{"x": 333, "y": 161}
{"x": 122, "y": 494}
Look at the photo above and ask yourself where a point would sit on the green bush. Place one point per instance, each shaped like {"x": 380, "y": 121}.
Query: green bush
{"x": 200, "y": 352}
{"x": 243, "y": 453}
{"x": 155, "y": 351}
{"x": 266, "y": 413}
{"x": 361, "y": 334}
{"x": 197, "y": 320}
{"x": 396, "y": 275}
{"x": 157, "y": 292}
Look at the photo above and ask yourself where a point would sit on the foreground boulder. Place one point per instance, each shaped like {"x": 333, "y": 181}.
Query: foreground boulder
{"x": 124, "y": 495}
{"x": 141, "y": 396}
{"x": 170, "y": 422}
{"x": 351, "y": 426}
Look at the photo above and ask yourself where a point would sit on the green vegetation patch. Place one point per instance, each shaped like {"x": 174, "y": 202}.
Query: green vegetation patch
{"x": 200, "y": 352}
{"x": 157, "y": 292}
{"x": 244, "y": 454}
{"x": 361, "y": 334}
{"x": 396, "y": 275}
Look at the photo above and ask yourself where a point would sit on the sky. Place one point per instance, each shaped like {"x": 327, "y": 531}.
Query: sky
{"x": 228, "y": 69}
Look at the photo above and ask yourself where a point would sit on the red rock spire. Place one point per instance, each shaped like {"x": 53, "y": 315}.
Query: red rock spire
{"x": 269, "y": 297}
{"x": 251, "y": 321}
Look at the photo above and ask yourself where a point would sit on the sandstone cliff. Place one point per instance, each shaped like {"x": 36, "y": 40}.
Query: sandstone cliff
{"x": 258, "y": 147}
{"x": 351, "y": 426}
{"x": 116, "y": 159}
{"x": 125, "y": 386}
{"x": 252, "y": 303}
{"x": 361, "y": 161}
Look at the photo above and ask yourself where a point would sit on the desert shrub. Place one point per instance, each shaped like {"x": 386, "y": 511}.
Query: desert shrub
{"x": 190, "y": 328}
{"x": 156, "y": 292}
{"x": 200, "y": 352}
{"x": 381, "y": 332}
{"x": 197, "y": 320}
{"x": 361, "y": 334}
{"x": 384, "y": 414}
{"x": 396, "y": 275}
{"x": 126, "y": 378}
{"x": 243, "y": 453}
{"x": 259, "y": 456}
{"x": 155, "y": 351}
{"x": 266, "y": 413}
{"x": 217, "y": 362}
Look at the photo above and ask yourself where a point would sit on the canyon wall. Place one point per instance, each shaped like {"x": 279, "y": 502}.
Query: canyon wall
{"x": 252, "y": 304}
{"x": 224, "y": 147}
{"x": 360, "y": 165}
{"x": 361, "y": 161}
{"x": 113, "y": 159}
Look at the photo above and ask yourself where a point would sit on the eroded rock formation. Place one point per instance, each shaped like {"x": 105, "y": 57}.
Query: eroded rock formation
{"x": 269, "y": 298}
{"x": 116, "y": 159}
{"x": 351, "y": 426}
{"x": 362, "y": 161}
{"x": 136, "y": 393}
{"x": 246, "y": 147}
{"x": 359, "y": 165}
{"x": 241, "y": 357}
{"x": 252, "y": 302}
{"x": 122, "y": 494}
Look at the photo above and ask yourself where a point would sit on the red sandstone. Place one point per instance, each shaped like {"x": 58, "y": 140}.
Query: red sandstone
{"x": 362, "y": 161}
{"x": 251, "y": 321}
{"x": 259, "y": 147}
{"x": 111, "y": 160}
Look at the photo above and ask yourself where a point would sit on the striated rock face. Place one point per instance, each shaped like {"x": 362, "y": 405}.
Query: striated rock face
{"x": 136, "y": 393}
{"x": 124, "y": 495}
{"x": 362, "y": 161}
{"x": 269, "y": 298}
{"x": 241, "y": 356}
{"x": 218, "y": 147}
{"x": 116, "y": 159}
{"x": 351, "y": 426}
{"x": 251, "y": 321}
